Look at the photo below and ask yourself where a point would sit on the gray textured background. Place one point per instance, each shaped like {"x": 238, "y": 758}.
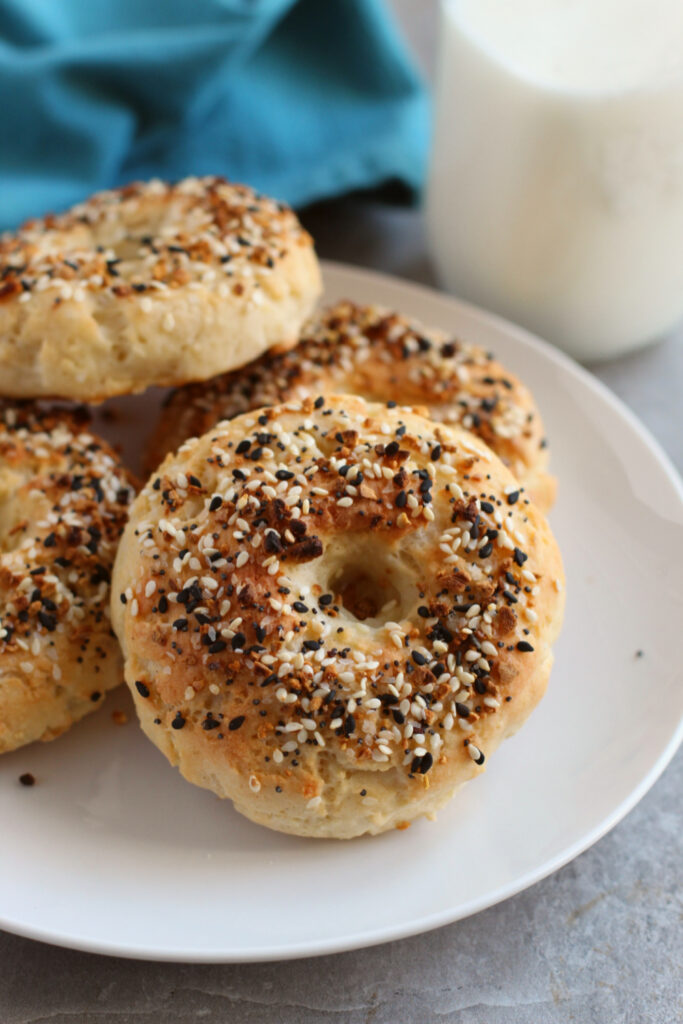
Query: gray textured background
{"x": 599, "y": 941}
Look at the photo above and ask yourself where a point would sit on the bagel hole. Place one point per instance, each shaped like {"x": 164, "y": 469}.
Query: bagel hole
{"x": 374, "y": 587}
{"x": 364, "y": 595}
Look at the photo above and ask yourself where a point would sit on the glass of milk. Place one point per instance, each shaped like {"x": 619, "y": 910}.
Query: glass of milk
{"x": 556, "y": 189}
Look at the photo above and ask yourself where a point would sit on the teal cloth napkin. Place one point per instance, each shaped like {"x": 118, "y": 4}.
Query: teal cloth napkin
{"x": 302, "y": 99}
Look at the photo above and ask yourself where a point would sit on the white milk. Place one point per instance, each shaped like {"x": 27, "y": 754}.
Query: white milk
{"x": 556, "y": 188}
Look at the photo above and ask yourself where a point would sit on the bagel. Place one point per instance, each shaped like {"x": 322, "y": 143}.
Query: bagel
{"x": 380, "y": 356}
{"x": 150, "y": 284}
{"x": 332, "y": 611}
{"x": 64, "y": 500}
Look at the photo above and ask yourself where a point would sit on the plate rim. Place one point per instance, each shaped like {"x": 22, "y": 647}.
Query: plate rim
{"x": 440, "y": 919}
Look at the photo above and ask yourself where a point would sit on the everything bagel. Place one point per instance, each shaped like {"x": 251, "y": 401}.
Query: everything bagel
{"x": 380, "y": 356}
{"x": 333, "y": 611}
{"x": 64, "y": 499}
{"x": 150, "y": 284}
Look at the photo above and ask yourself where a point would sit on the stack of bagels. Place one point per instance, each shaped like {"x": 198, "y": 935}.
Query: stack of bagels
{"x": 336, "y": 591}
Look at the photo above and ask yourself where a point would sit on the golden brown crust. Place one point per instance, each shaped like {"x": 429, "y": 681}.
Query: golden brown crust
{"x": 333, "y": 610}
{"x": 63, "y": 503}
{"x": 381, "y": 356}
{"x": 150, "y": 284}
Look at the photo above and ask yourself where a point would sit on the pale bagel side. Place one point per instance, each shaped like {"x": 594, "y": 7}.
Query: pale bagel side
{"x": 151, "y": 284}
{"x": 332, "y": 612}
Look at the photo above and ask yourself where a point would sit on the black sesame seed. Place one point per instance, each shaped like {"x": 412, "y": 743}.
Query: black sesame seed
{"x": 217, "y": 646}
{"x": 180, "y": 625}
{"x": 142, "y": 688}
{"x": 95, "y": 696}
{"x": 216, "y": 503}
{"x": 48, "y": 621}
{"x": 520, "y": 557}
{"x": 418, "y": 658}
{"x": 524, "y": 645}
{"x": 235, "y": 723}
{"x": 462, "y": 710}
{"x": 423, "y": 611}
{"x": 513, "y": 497}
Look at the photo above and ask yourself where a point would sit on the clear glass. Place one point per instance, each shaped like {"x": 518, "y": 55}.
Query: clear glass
{"x": 556, "y": 199}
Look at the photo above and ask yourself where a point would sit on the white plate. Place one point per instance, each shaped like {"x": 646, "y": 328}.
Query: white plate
{"x": 113, "y": 852}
